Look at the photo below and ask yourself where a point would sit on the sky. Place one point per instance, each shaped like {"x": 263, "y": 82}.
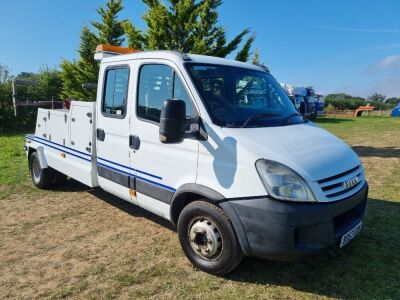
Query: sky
{"x": 348, "y": 46}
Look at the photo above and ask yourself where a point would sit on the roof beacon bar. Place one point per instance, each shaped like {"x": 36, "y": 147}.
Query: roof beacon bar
{"x": 105, "y": 50}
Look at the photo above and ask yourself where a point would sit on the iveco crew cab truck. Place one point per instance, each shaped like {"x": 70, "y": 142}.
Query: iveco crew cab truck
{"x": 213, "y": 145}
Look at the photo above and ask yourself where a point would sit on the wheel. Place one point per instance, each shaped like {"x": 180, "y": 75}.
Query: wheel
{"x": 208, "y": 238}
{"x": 42, "y": 178}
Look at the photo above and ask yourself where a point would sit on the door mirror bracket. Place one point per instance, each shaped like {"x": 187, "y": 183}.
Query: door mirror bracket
{"x": 173, "y": 123}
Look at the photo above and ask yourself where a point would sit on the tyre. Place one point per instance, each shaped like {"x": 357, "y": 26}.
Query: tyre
{"x": 208, "y": 239}
{"x": 42, "y": 178}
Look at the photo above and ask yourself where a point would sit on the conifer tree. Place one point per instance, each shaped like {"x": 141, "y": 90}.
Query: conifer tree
{"x": 256, "y": 58}
{"x": 187, "y": 26}
{"x": 244, "y": 54}
{"x": 109, "y": 30}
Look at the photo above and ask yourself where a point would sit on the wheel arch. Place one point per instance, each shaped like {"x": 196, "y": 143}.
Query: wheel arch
{"x": 190, "y": 192}
{"x": 41, "y": 156}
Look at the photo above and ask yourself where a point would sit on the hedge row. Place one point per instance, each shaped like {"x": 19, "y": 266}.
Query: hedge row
{"x": 355, "y": 103}
{"x": 49, "y": 86}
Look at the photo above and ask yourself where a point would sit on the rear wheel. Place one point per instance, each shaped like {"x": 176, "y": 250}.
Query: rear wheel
{"x": 42, "y": 178}
{"x": 208, "y": 238}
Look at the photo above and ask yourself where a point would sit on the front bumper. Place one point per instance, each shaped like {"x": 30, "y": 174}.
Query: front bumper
{"x": 285, "y": 230}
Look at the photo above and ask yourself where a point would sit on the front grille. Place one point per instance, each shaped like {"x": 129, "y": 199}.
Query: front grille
{"x": 335, "y": 187}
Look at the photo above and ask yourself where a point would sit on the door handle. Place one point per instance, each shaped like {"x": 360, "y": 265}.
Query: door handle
{"x": 134, "y": 142}
{"x": 101, "y": 135}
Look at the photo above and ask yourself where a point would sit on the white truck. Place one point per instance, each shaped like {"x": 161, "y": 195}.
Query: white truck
{"x": 211, "y": 144}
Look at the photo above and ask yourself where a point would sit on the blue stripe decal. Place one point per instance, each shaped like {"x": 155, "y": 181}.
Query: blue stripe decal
{"x": 83, "y": 153}
{"x": 109, "y": 161}
{"x": 132, "y": 169}
{"x": 62, "y": 150}
{"x": 107, "y": 166}
{"x": 145, "y": 179}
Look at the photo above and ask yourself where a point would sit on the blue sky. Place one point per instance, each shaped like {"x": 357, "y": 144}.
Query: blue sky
{"x": 351, "y": 46}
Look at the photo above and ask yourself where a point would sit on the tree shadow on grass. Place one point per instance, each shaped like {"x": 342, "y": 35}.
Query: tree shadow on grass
{"x": 367, "y": 268}
{"x": 367, "y": 151}
{"x": 328, "y": 120}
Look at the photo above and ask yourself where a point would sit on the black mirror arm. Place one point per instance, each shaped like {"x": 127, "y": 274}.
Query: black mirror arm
{"x": 199, "y": 133}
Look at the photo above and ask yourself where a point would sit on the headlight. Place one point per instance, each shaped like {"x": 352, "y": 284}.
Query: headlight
{"x": 283, "y": 183}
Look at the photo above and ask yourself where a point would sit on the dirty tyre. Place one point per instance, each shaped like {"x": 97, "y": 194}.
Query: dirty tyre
{"x": 208, "y": 238}
{"x": 42, "y": 178}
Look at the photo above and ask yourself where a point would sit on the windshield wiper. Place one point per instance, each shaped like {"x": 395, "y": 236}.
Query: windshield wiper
{"x": 257, "y": 116}
{"x": 286, "y": 121}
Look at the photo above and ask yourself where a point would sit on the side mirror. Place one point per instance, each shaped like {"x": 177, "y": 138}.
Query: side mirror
{"x": 172, "y": 121}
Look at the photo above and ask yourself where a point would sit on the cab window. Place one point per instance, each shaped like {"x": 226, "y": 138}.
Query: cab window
{"x": 115, "y": 92}
{"x": 158, "y": 83}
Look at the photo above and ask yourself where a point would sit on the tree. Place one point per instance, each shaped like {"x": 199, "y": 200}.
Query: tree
{"x": 85, "y": 70}
{"x": 5, "y": 74}
{"x": 109, "y": 30}
{"x": 187, "y": 26}
{"x": 377, "y": 97}
{"x": 392, "y": 100}
{"x": 48, "y": 87}
{"x": 243, "y": 55}
{"x": 256, "y": 58}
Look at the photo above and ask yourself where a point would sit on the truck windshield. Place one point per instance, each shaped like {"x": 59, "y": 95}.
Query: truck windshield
{"x": 241, "y": 97}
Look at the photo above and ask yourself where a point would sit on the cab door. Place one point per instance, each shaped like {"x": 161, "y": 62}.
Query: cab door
{"x": 113, "y": 122}
{"x": 160, "y": 168}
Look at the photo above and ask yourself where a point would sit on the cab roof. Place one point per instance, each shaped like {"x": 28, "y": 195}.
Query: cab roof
{"x": 180, "y": 57}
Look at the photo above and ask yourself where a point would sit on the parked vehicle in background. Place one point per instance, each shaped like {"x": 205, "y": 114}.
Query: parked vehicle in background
{"x": 307, "y": 102}
{"x": 213, "y": 145}
{"x": 311, "y": 103}
{"x": 296, "y": 98}
{"x": 319, "y": 105}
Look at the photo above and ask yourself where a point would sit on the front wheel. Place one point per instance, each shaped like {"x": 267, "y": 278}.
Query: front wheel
{"x": 208, "y": 238}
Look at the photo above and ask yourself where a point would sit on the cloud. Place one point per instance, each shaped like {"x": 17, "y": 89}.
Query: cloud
{"x": 388, "y": 86}
{"x": 382, "y": 77}
{"x": 352, "y": 29}
{"x": 386, "y": 65}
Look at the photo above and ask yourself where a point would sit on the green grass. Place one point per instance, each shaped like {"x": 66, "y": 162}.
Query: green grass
{"x": 368, "y": 268}
{"x": 14, "y": 175}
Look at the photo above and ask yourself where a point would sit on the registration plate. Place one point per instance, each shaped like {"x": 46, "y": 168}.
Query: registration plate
{"x": 347, "y": 237}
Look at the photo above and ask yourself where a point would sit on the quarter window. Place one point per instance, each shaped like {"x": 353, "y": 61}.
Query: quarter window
{"x": 158, "y": 83}
{"x": 115, "y": 92}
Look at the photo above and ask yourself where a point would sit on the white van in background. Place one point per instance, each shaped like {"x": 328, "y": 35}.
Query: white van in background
{"x": 211, "y": 144}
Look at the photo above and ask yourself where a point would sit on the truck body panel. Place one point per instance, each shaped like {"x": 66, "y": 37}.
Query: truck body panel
{"x": 66, "y": 137}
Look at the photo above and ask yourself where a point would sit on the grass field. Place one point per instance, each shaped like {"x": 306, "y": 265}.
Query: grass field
{"x": 76, "y": 242}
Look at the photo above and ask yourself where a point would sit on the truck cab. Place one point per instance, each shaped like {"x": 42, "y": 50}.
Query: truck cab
{"x": 213, "y": 145}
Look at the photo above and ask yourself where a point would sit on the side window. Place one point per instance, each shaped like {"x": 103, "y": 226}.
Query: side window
{"x": 179, "y": 92}
{"x": 158, "y": 83}
{"x": 115, "y": 92}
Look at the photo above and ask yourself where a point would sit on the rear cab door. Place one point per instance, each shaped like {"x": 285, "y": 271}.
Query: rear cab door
{"x": 113, "y": 128}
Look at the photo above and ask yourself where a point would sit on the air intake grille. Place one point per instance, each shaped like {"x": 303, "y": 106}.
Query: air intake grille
{"x": 343, "y": 185}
